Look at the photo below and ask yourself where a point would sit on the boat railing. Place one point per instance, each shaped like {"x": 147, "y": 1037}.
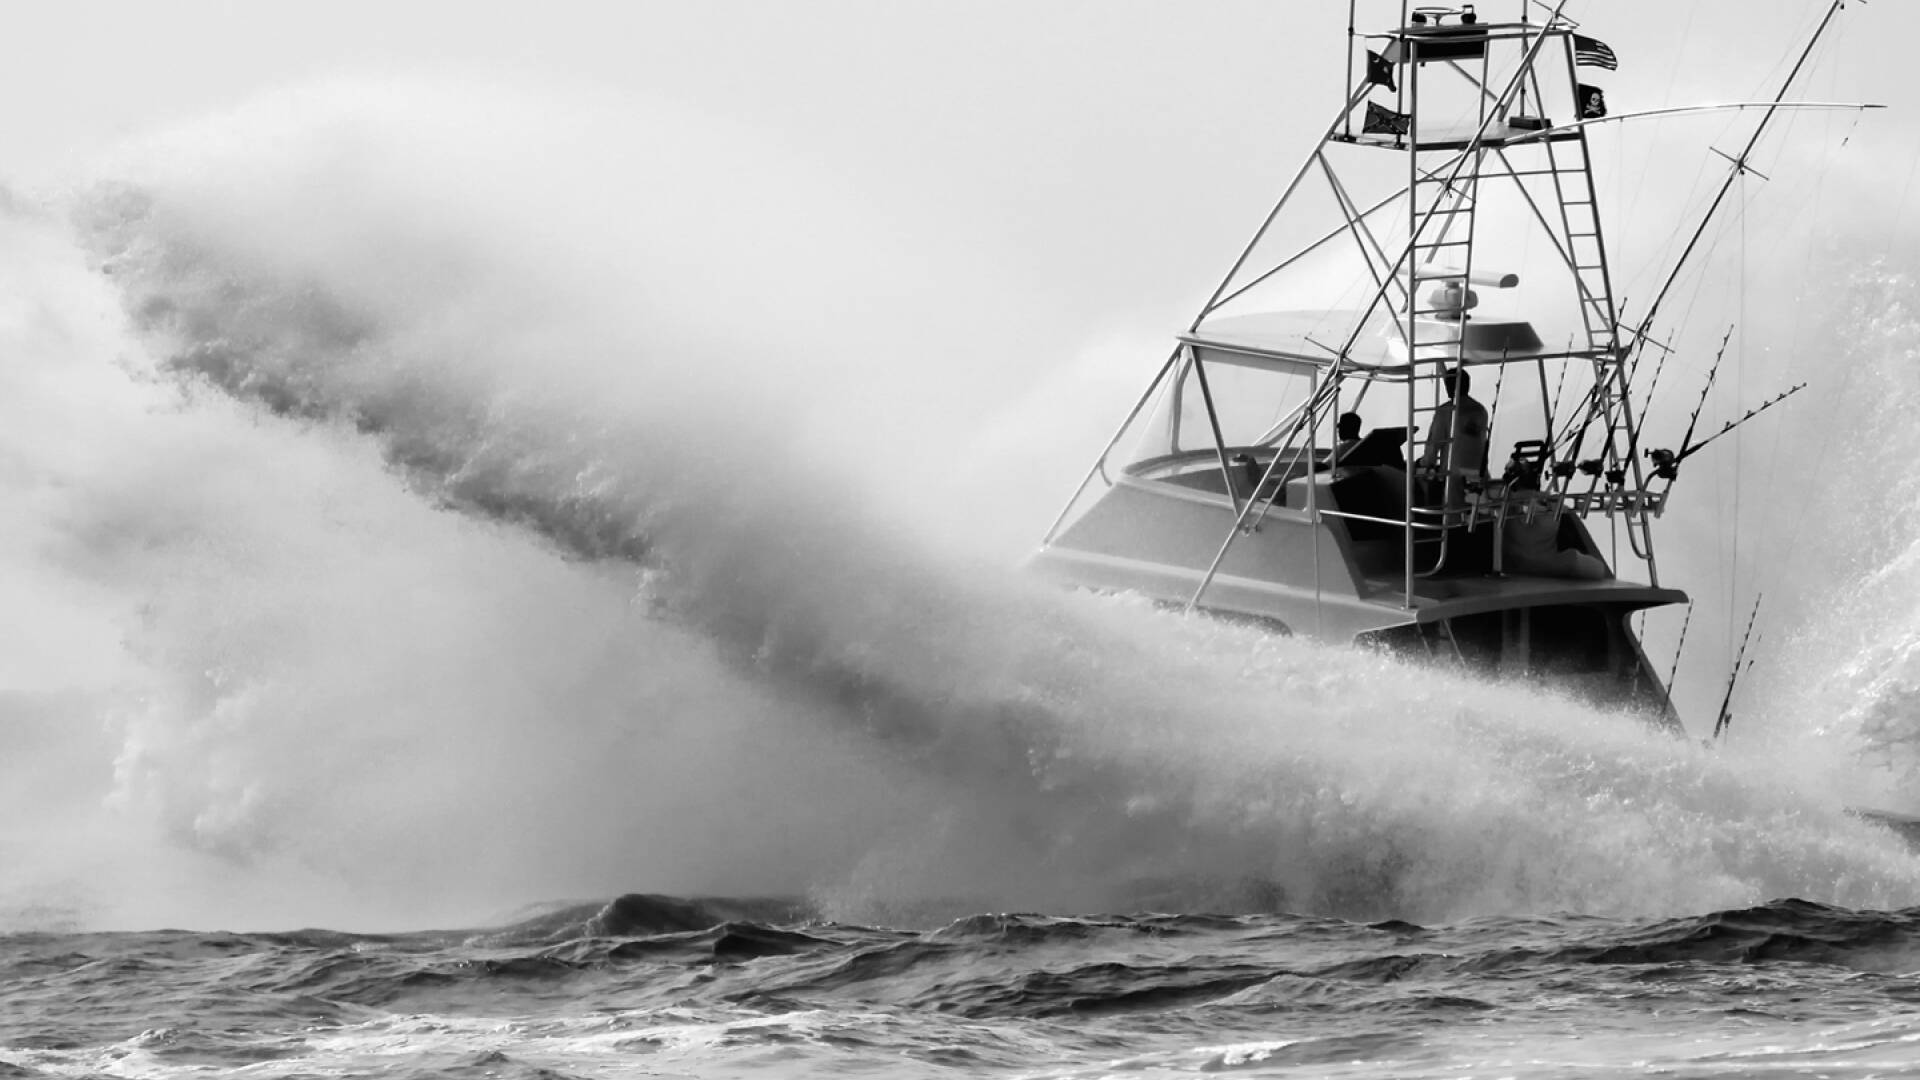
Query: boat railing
{"x": 1496, "y": 503}
{"x": 1610, "y": 501}
{"x": 1398, "y": 523}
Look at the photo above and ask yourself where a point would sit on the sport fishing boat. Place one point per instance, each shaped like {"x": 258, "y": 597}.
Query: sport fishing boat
{"x": 1314, "y": 454}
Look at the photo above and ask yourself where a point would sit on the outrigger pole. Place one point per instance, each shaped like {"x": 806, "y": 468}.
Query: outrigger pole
{"x": 1739, "y": 167}
{"x": 1682, "y": 110}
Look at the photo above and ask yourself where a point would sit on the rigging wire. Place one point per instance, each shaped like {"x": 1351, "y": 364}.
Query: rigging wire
{"x": 1900, "y": 208}
{"x": 1742, "y": 166}
{"x": 1849, "y": 372}
{"x": 1800, "y": 202}
{"x": 1666, "y": 94}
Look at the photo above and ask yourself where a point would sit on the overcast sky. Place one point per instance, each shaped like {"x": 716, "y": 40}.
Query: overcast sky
{"x": 1051, "y": 124}
{"x": 881, "y": 80}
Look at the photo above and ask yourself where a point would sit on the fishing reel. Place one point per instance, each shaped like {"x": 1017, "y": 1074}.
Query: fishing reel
{"x": 1666, "y": 463}
{"x": 1595, "y": 467}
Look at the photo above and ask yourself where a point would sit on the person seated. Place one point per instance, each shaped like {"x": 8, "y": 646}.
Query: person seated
{"x": 1532, "y": 545}
{"x": 1349, "y": 430}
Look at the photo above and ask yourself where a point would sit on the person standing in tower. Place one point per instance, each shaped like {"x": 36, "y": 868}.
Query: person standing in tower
{"x": 1458, "y": 439}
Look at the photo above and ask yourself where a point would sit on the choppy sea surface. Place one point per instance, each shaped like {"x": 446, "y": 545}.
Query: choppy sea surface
{"x": 659, "y": 986}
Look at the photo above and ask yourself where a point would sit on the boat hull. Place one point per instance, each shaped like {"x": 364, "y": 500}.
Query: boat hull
{"x": 1324, "y": 577}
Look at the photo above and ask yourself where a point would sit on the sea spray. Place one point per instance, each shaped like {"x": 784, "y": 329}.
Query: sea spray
{"x": 1843, "y": 665}
{"x": 670, "y": 638}
{"x": 257, "y": 679}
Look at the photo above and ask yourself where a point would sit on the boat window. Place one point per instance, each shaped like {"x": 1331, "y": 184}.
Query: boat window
{"x": 1256, "y": 407}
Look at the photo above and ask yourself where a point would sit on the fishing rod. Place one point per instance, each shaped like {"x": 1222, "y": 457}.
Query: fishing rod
{"x": 1674, "y": 672}
{"x": 1559, "y": 391}
{"x": 1569, "y": 456}
{"x": 1666, "y": 463}
{"x": 1719, "y": 357}
{"x": 1493, "y": 407}
{"x": 1654, "y": 383}
{"x": 1726, "y": 714}
{"x": 1688, "y": 451}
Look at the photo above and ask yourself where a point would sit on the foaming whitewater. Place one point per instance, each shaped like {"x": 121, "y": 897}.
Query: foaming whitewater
{"x": 1849, "y": 669}
{"x": 431, "y": 503}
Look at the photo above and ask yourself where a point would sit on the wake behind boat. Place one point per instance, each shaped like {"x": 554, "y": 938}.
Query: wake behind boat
{"x": 1407, "y": 415}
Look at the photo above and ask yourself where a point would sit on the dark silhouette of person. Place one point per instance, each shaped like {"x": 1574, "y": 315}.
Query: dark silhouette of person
{"x": 1349, "y": 429}
{"x": 1457, "y": 441}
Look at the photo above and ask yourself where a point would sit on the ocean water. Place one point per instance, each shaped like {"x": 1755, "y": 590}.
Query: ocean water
{"x": 406, "y": 528}
{"x": 658, "y": 986}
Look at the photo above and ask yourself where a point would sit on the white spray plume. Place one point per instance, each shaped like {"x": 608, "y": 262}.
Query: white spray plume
{"x": 455, "y": 501}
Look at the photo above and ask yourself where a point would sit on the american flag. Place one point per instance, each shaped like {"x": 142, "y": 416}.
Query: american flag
{"x": 1593, "y": 52}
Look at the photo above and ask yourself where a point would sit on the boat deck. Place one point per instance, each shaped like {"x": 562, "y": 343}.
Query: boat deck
{"x": 1446, "y": 595}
